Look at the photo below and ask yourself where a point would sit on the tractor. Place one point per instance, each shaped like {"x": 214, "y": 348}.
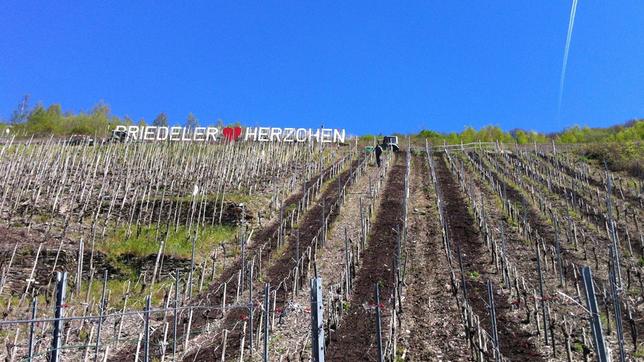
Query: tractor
{"x": 390, "y": 142}
{"x": 119, "y": 136}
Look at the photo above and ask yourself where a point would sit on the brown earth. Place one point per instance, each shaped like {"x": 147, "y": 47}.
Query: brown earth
{"x": 598, "y": 243}
{"x": 293, "y": 324}
{"x": 514, "y": 343}
{"x": 208, "y": 297}
{"x": 355, "y": 338}
{"x": 280, "y": 267}
{"x": 431, "y": 317}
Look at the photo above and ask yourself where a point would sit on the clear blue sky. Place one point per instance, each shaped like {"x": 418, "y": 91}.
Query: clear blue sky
{"x": 368, "y": 66}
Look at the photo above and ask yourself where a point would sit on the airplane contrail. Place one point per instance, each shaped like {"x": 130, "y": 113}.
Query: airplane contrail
{"x": 571, "y": 24}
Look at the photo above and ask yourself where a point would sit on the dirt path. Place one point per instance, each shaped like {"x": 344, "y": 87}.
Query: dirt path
{"x": 355, "y": 337}
{"x": 515, "y": 343}
{"x": 294, "y": 325}
{"x": 432, "y": 328}
{"x": 278, "y": 268}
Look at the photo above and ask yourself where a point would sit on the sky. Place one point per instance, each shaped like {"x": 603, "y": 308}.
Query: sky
{"x": 367, "y": 66}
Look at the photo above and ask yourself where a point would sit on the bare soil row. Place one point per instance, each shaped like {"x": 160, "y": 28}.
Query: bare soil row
{"x": 355, "y": 338}
{"x": 432, "y": 325}
{"x": 514, "y": 342}
{"x": 279, "y": 266}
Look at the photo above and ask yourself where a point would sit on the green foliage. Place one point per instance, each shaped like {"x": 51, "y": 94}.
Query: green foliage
{"x": 429, "y": 134}
{"x": 491, "y": 134}
{"x": 618, "y": 156}
{"x": 161, "y": 120}
{"x": 521, "y": 137}
{"x": 4, "y": 128}
{"x": 485, "y": 134}
{"x": 628, "y": 132}
{"x": 469, "y": 135}
{"x": 400, "y": 355}
{"x": 619, "y": 146}
{"x": 371, "y": 137}
{"x": 83, "y": 335}
{"x": 118, "y": 288}
{"x": 631, "y": 131}
{"x": 639, "y": 353}
{"x": 578, "y": 347}
{"x": 51, "y": 121}
{"x": 236, "y": 197}
{"x": 178, "y": 243}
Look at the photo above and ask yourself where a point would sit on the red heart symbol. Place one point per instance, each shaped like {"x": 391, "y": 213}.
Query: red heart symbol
{"x": 231, "y": 133}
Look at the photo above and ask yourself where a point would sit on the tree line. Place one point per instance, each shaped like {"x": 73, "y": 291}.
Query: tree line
{"x": 631, "y": 131}
{"x": 41, "y": 121}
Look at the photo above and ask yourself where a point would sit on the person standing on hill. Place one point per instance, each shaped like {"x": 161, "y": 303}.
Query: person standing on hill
{"x": 378, "y": 151}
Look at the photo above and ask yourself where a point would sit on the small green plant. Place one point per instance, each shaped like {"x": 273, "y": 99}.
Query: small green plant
{"x": 41, "y": 218}
{"x": 578, "y": 347}
{"x": 573, "y": 213}
{"x": 634, "y": 292}
{"x": 474, "y": 275}
{"x": 83, "y": 335}
{"x": 290, "y": 208}
{"x": 639, "y": 353}
{"x": 399, "y": 355}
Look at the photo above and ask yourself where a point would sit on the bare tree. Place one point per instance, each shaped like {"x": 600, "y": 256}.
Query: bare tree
{"x": 22, "y": 112}
{"x": 161, "y": 120}
{"x": 191, "y": 122}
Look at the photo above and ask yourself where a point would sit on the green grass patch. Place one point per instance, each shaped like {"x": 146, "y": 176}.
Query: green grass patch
{"x": 573, "y": 213}
{"x": 578, "y": 347}
{"x": 117, "y": 289}
{"x": 178, "y": 243}
{"x": 639, "y": 353}
{"x": 603, "y": 318}
{"x": 234, "y": 197}
{"x": 41, "y": 218}
{"x": 400, "y": 353}
{"x": 238, "y": 197}
{"x": 290, "y": 208}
